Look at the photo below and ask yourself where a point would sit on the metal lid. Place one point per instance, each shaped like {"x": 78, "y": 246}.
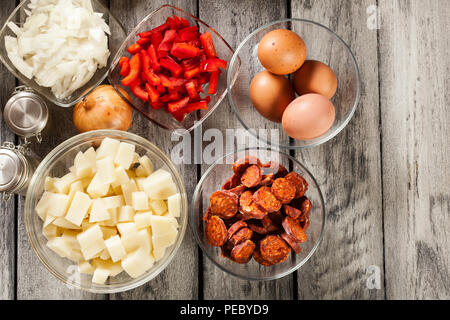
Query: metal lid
{"x": 26, "y": 114}
{"x": 11, "y": 169}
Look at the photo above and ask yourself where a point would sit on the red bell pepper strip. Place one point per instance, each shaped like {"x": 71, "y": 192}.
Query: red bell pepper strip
{"x": 208, "y": 44}
{"x": 171, "y": 96}
{"x": 213, "y": 80}
{"x": 211, "y": 65}
{"x": 156, "y": 39}
{"x": 159, "y": 29}
{"x": 135, "y": 70}
{"x": 177, "y": 105}
{"x": 134, "y": 48}
{"x": 189, "y": 74}
{"x": 191, "y": 89}
{"x": 174, "y": 22}
{"x": 122, "y": 60}
{"x": 152, "y": 93}
{"x": 188, "y": 29}
{"x": 154, "y": 58}
{"x": 166, "y": 43}
{"x": 184, "y": 22}
{"x": 147, "y": 72}
{"x": 171, "y": 82}
{"x": 189, "y": 36}
{"x": 179, "y": 115}
{"x": 125, "y": 68}
{"x": 161, "y": 88}
{"x": 183, "y": 50}
{"x": 143, "y": 42}
{"x": 189, "y": 64}
{"x": 140, "y": 93}
{"x": 171, "y": 65}
{"x": 200, "y": 105}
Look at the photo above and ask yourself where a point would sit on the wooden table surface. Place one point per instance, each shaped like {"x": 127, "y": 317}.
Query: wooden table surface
{"x": 385, "y": 177}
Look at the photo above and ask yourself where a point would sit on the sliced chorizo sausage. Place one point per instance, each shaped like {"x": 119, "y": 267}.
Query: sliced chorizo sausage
{"x": 258, "y": 258}
{"x": 292, "y": 212}
{"x": 242, "y": 252}
{"x": 267, "y": 179}
{"x": 232, "y": 182}
{"x": 258, "y": 228}
{"x": 224, "y": 204}
{"x": 242, "y": 235}
{"x": 265, "y": 199}
{"x": 215, "y": 231}
{"x": 276, "y": 217}
{"x": 305, "y": 224}
{"x": 294, "y": 229}
{"x": 275, "y": 168}
{"x": 242, "y": 164}
{"x": 269, "y": 224}
{"x": 274, "y": 249}
{"x": 294, "y": 244}
{"x": 305, "y": 207}
{"x": 249, "y": 208}
{"x": 207, "y": 214}
{"x": 299, "y": 182}
{"x": 252, "y": 176}
{"x": 238, "y": 190}
{"x": 283, "y": 190}
{"x": 236, "y": 227}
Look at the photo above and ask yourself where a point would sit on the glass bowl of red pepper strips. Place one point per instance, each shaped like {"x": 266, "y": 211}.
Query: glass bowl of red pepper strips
{"x": 173, "y": 65}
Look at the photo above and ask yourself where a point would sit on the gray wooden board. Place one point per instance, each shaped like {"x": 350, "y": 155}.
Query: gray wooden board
{"x": 235, "y": 20}
{"x": 7, "y": 209}
{"x": 415, "y": 104}
{"x": 180, "y": 279}
{"x": 348, "y": 170}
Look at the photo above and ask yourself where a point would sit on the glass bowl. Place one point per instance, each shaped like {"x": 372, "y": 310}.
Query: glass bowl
{"x": 213, "y": 179}
{"x": 114, "y": 40}
{"x": 323, "y": 45}
{"x": 57, "y": 163}
{"x": 161, "y": 117}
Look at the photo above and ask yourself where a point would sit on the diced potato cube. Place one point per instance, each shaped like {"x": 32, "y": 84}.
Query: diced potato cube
{"x": 49, "y": 184}
{"x": 63, "y": 223}
{"x": 166, "y": 240}
{"x": 83, "y": 166}
{"x": 75, "y": 255}
{"x": 85, "y": 182}
{"x": 108, "y": 148}
{"x": 158, "y": 206}
{"x": 97, "y": 188}
{"x": 120, "y": 177}
{"x": 136, "y": 157}
{"x": 58, "y": 204}
{"x": 108, "y": 232}
{"x": 42, "y": 205}
{"x": 99, "y": 211}
{"x": 62, "y": 184}
{"x": 105, "y": 170}
{"x": 131, "y": 241}
{"x": 124, "y": 155}
{"x": 115, "y": 248}
{"x": 143, "y": 220}
{"x": 114, "y": 201}
{"x": 140, "y": 183}
{"x": 100, "y": 276}
{"x": 114, "y": 267}
{"x": 158, "y": 253}
{"x": 48, "y": 220}
{"x": 51, "y": 231}
{"x": 70, "y": 236}
{"x": 174, "y": 205}
{"x": 145, "y": 167}
{"x": 127, "y": 190}
{"x": 146, "y": 239}
{"x": 85, "y": 267}
{"x": 59, "y": 246}
{"x": 91, "y": 155}
{"x": 127, "y": 228}
{"x": 137, "y": 262}
{"x": 113, "y": 216}
{"x": 91, "y": 241}
{"x": 159, "y": 185}
{"x": 126, "y": 214}
{"x": 104, "y": 254}
{"x": 86, "y": 224}
{"x": 139, "y": 200}
{"x": 164, "y": 231}
{"x": 79, "y": 208}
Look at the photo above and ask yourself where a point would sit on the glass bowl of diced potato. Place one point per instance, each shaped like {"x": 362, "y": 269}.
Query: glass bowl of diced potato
{"x": 106, "y": 211}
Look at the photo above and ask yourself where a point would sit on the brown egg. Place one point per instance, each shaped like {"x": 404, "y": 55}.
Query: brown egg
{"x": 308, "y": 117}
{"x": 315, "y": 77}
{"x": 281, "y": 51}
{"x": 271, "y": 94}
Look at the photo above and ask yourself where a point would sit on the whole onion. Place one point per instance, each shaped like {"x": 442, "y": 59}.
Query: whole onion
{"x": 103, "y": 108}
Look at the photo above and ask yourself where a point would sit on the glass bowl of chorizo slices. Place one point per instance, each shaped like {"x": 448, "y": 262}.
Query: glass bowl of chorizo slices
{"x": 258, "y": 214}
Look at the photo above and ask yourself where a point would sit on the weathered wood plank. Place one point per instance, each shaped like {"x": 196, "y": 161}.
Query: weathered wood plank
{"x": 179, "y": 279}
{"x": 7, "y": 209}
{"x": 235, "y": 20}
{"x": 414, "y": 67}
{"x": 348, "y": 170}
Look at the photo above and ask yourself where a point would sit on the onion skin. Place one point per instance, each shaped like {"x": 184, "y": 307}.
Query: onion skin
{"x": 103, "y": 108}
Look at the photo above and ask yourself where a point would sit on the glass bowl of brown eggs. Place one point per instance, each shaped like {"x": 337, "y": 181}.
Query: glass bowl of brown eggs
{"x": 296, "y": 76}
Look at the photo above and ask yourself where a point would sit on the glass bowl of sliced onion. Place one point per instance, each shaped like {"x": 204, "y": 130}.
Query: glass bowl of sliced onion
{"x": 62, "y": 50}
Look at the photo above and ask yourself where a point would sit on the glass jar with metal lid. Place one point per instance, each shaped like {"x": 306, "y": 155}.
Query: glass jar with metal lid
{"x": 26, "y": 114}
{"x": 16, "y": 170}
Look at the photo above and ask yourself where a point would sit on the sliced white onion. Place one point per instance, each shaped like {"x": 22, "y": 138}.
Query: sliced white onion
{"x": 61, "y": 44}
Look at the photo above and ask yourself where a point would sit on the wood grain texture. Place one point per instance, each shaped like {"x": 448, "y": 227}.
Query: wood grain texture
{"x": 7, "y": 209}
{"x": 235, "y": 20}
{"x": 180, "y": 279}
{"x": 348, "y": 170}
{"x": 415, "y": 100}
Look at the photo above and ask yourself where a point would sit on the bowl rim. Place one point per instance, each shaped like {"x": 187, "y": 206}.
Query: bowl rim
{"x": 36, "y": 88}
{"x": 192, "y": 218}
{"x": 134, "y": 33}
{"x": 320, "y": 141}
{"x": 72, "y": 142}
